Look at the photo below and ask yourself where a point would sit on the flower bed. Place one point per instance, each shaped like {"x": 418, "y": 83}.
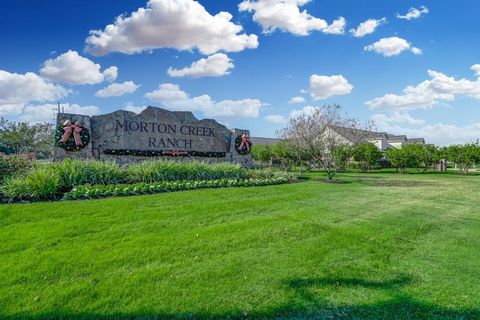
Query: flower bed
{"x": 102, "y": 191}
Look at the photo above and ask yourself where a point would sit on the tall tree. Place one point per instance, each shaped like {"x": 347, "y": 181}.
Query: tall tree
{"x": 310, "y": 135}
{"x": 430, "y": 156}
{"x": 22, "y": 137}
{"x": 464, "y": 155}
{"x": 398, "y": 159}
{"x": 367, "y": 154}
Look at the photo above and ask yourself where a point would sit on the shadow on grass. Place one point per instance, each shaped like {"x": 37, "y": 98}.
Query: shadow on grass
{"x": 307, "y": 304}
{"x": 326, "y": 180}
{"x": 397, "y": 183}
{"x": 374, "y": 180}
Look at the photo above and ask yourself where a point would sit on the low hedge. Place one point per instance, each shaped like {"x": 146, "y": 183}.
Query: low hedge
{"x": 102, "y": 191}
{"x": 51, "y": 180}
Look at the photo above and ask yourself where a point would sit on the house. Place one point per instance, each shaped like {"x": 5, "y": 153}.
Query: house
{"x": 396, "y": 142}
{"x": 384, "y": 141}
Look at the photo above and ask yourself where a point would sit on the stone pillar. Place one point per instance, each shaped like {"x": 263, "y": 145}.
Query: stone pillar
{"x": 235, "y": 157}
{"x": 85, "y": 153}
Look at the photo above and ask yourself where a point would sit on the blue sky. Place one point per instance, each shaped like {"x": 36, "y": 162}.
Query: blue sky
{"x": 413, "y": 68}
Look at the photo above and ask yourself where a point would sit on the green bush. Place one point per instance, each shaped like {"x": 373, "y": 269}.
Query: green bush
{"x": 262, "y": 153}
{"x": 70, "y": 172}
{"x": 103, "y": 172}
{"x": 353, "y": 165}
{"x": 11, "y": 165}
{"x": 76, "y": 172}
{"x": 169, "y": 171}
{"x": 16, "y": 189}
{"x": 40, "y": 183}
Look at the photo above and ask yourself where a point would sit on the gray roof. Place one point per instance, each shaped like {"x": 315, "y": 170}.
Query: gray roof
{"x": 416, "y": 140}
{"x": 260, "y": 140}
{"x": 391, "y": 137}
{"x": 357, "y": 135}
{"x": 353, "y": 135}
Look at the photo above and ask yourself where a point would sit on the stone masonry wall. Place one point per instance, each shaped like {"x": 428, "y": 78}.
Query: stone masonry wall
{"x": 154, "y": 130}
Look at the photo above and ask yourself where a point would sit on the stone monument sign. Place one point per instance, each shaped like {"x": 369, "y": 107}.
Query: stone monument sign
{"x": 125, "y": 136}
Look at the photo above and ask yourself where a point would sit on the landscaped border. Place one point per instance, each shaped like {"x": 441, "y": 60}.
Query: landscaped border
{"x": 161, "y": 153}
{"x": 104, "y": 191}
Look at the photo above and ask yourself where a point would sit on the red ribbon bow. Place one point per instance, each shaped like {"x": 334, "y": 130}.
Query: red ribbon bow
{"x": 68, "y": 128}
{"x": 245, "y": 143}
{"x": 175, "y": 153}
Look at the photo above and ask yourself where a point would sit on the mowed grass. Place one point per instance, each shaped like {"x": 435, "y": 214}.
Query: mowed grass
{"x": 382, "y": 246}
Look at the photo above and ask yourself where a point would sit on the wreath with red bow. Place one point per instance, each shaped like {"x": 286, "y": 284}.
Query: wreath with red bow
{"x": 72, "y": 136}
{"x": 243, "y": 145}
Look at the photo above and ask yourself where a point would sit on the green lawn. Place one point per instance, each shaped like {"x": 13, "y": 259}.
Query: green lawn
{"x": 382, "y": 246}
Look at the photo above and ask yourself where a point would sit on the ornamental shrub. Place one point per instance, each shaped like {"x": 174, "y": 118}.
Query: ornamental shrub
{"x": 103, "y": 172}
{"x": 11, "y": 165}
{"x": 102, "y": 191}
{"x": 170, "y": 170}
{"x": 15, "y": 189}
{"x": 77, "y": 172}
{"x": 40, "y": 183}
{"x": 70, "y": 172}
{"x": 45, "y": 181}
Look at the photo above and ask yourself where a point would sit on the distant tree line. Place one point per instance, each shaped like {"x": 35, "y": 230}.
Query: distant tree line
{"x": 304, "y": 143}
{"x": 367, "y": 156}
{"x": 25, "y": 138}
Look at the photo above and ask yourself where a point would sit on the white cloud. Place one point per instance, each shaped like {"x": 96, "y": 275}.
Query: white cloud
{"x": 323, "y": 87}
{"x": 336, "y": 27}
{"x": 440, "y": 88}
{"x": 438, "y": 133}
{"x": 117, "y": 89}
{"x": 275, "y": 118}
{"x": 169, "y": 93}
{"x": 416, "y": 51}
{"x": 476, "y": 68}
{"x": 16, "y": 90}
{"x": 396, "y": 117}
{"x": 392, "y": 46}
{"x": 413, "y": 13}
{"x": 367, "y": 27}
{"x": 131, "y": 107}
{"x": 297, "y": 99}
{"x": 286, "y": 16}
{"x": 178, "y": 24}
{"x": 10, "y": 109}
{"x": 216, "y": 65}
{"x": 46, "y": 112}
{"x": 308, "y": 110}
{"x": 111, "y": 73}
{"x": 172, "y": 97}
{"x": 74, "y": 69}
